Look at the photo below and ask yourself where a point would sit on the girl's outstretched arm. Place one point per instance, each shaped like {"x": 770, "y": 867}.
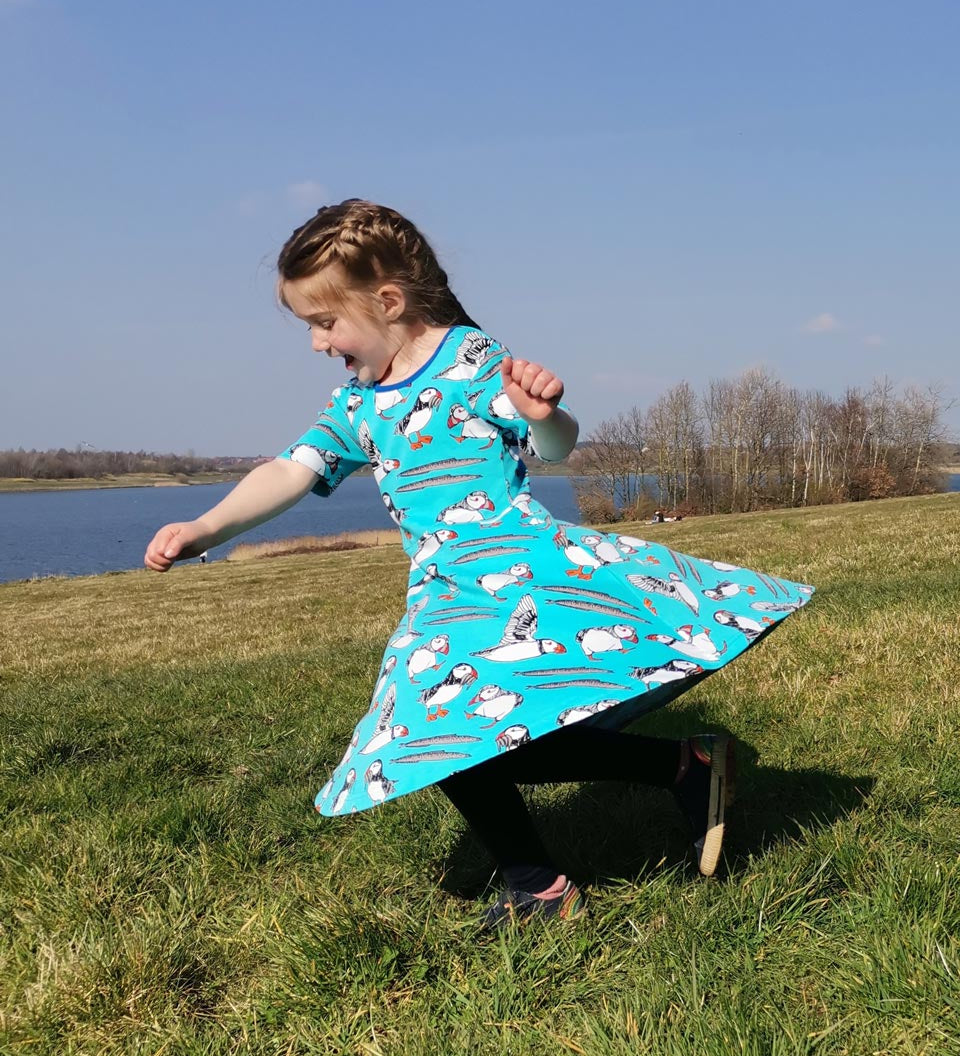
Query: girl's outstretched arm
{"x": 535, "y": 392}
{"x": 263, "y": 493}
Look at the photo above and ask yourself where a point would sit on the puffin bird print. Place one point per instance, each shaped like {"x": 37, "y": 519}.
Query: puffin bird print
{"x": 381, "y": 466}
{"x": 606, "y": 639}
{"x": 494, "y": 703}
{"x": 388, "y": 666}
{"x": 522, "y": 502}
{"x": 519, "y": 641}
{"x": 354, "y": 403}
{"x": 512, "y": 737}
{"x": 472, "y": 426}
{"x": 577, "y": 556}
{"x": 698, "y": 646}
{"x": 469, "y": 510}
{"x": 501, "y": 407}
{"x": 629, "y": 544}
{"x": 726, "y": 588}
{"x": 379, "y": 787}
{"x": 340, "y": 801}
{"x": 385, "y": 729}
{"x": 494, "y": 582}
{"x": 384, "y": 399}
{"x": 409, "y": 636}
{"x": 674, "y": 588}
{"x": 412, "y": 424}
{"x": 436, "y": 697}
{"x": 751, "y": 628}
{"x": 605, "y": 551}
{"x": 672, "y": 671}
{"x": 430, "y": 542}
{"x": 382, "y": 737}
{"x": 324, "y": 463}
{"x": 431, "y": 573}
{"x": 470, "y": 357}
{"x": 583, "y": 711}
{"x": 397, "y": 513}
{"x": 428, "y": 656}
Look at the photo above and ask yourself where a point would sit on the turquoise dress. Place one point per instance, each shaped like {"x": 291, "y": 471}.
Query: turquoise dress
{"x": 516, "y": 623}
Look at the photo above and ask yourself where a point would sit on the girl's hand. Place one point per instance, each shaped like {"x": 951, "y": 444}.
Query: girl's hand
{"x": 177, "y": 542}
{"x": 532, "y": 389}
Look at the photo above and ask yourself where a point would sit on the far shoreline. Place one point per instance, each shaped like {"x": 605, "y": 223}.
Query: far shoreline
{"x": 21, "y": 485}
{"x": 15, "y": 485}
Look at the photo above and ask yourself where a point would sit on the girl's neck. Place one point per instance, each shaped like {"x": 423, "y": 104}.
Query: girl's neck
{"x": 418, "y": 342}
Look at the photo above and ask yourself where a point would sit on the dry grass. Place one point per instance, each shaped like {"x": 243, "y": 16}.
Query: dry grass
{"x": 314, "y": 544}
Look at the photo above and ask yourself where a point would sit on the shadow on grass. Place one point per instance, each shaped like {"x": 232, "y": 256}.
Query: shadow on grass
{"x": 610, "y": 830}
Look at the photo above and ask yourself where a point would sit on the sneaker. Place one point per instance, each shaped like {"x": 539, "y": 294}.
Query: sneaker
{"x": 704, "y": 792}
{"x": 516, "y": 907}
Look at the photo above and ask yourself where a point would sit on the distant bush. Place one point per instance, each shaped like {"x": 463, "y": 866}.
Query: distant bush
{"x": 69, "y": 465}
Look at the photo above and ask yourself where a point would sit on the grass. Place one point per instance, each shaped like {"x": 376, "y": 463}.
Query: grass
{"x": 166, "y": 887}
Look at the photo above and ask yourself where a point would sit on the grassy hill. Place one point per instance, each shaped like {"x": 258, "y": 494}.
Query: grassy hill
{"x": 166, "y": 887}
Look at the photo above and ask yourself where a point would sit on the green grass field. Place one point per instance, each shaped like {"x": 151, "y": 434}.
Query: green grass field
{"x": 165, "y": 886}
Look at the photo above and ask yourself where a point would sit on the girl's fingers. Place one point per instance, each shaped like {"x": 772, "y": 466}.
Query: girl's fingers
{"x": 531, "y": 378}
{"x": 164, "y": 548}
{"x": 553, "y": 389}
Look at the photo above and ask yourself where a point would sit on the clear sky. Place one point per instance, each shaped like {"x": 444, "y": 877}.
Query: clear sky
{"x": 634, "y": 193}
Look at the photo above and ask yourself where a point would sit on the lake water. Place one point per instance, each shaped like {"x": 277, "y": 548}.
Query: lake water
{"x": 77, "y": 533}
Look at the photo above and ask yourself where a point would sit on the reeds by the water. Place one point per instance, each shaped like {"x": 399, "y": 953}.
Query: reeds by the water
{"x": 314, "y": 544}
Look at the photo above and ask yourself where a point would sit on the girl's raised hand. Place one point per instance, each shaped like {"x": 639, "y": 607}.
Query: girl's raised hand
{"x": 176, "y": 542}
{"x": 532, "y": 389}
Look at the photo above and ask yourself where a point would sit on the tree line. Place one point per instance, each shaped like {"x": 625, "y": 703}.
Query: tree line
{"x": 71, "y": 465}
{"x": 753, "y": 442}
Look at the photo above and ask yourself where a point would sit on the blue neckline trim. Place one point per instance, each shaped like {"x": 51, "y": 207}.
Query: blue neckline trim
{"x": 413, "y": 377}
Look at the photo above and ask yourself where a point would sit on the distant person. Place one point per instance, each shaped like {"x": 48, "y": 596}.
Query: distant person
{"x": 444, "y": 413}
{"x": 203, "y": 558}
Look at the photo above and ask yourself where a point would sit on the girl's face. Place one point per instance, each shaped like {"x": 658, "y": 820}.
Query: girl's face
{"x": 365, "y": 344}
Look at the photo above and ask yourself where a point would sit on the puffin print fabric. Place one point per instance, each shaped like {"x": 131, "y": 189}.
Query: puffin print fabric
{"x": 516, "y": 623}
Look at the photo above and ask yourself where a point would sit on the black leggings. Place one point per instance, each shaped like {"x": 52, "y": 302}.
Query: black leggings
{"x": 487, "y": 795}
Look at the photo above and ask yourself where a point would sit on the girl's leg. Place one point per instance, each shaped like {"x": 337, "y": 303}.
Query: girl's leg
{"x": 488, "y": 798}
{"x": 492, "y": 806}
{"x": 584, "y": 753}
{"x": 700, "y": 771}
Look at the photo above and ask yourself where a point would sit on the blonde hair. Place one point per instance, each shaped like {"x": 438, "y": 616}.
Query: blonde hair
{"x": 372, "y": 244}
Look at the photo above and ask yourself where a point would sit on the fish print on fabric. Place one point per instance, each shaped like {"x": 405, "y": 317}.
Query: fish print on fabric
{"x": 516, "y": 623}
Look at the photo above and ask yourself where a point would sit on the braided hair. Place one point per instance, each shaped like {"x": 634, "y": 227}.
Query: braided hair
{"x": 372, "y": 244}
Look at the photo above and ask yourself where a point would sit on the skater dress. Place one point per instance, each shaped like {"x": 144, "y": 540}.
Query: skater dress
{"x": 517, "y": 623}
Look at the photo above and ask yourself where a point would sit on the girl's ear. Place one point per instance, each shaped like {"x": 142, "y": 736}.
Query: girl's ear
{"x": 393, "y": 300}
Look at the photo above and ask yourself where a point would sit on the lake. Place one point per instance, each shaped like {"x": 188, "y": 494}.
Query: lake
{"x": 78, "y": 533}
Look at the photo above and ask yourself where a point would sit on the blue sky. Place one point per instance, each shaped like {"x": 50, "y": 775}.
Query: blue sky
{"x": 636, "y": 194}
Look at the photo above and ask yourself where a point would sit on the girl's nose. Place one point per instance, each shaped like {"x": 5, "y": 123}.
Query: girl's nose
{"x": 319, "y": 340}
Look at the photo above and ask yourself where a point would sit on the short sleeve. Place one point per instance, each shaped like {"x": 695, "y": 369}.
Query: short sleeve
{"x": 487, "y": 400}
{"x": 330, "y": 447}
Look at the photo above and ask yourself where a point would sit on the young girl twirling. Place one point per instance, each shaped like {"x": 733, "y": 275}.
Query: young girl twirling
{"x": 527, "y": 642}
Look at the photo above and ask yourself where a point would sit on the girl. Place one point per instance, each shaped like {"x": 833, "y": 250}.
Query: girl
{"x": 527, "y": 642}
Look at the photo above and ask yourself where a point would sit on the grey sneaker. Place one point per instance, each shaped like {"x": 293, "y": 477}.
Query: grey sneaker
{"x": 515, "y": 907}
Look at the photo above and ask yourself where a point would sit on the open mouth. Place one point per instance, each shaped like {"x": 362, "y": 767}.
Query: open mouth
{"x": 348, "y": 360}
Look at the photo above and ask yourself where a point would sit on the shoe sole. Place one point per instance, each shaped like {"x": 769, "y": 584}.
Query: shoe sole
{"x": 722, "y": 788}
